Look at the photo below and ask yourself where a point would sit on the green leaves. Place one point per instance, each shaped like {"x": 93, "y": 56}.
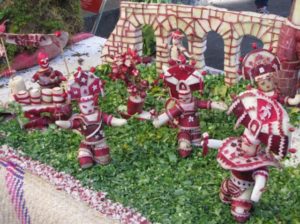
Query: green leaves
{"x": 149, "y": 44}
{"x": 44, "y": 16}
{"x": 294, "y": 115}
{"x": 146, "y": 172}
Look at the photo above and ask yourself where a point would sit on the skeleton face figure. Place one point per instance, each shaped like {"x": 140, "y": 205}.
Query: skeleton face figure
{"x": 87, "y": 105}
{"x": 266, "y": 83}
{"x": 176, "y": 41}
{"x": 43, "y": 60}
{"x": 186, "y": 98}
{"x": 128, "y": 61}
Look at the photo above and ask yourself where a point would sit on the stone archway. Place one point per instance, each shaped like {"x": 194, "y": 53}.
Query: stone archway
{"x": 195, "y": 22}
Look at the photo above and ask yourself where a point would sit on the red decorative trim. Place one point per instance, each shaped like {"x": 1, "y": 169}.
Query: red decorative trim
{"x": 109, "y": 119}
{"x": 264, "y": 173}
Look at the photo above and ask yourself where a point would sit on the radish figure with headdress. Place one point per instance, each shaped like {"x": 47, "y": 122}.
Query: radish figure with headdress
{"x": 264, "y": 142}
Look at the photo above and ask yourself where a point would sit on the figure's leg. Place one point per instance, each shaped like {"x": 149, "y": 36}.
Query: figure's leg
{"x": 184, "y": 143}
{"x": 225, "y": 191}
{"x": 196, "y": 137}
{"x": 101, "y": 153}
{"x": 37, "y": 119}
{"x": 241, "y": 206}
{"x": 239, "y": 198}
{"x": 85, "y": 156}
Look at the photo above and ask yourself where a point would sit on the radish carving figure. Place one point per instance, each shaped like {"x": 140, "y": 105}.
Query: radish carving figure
{"x": 264, "y": 142}
{"x": 185, "y": 111}
{"x": 90, "y": 123}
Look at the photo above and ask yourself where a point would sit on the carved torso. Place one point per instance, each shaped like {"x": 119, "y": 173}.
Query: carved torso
{"x": 48, "y": 78}
{"x": 186, "y": 113}
{"x": 91, "y": 126}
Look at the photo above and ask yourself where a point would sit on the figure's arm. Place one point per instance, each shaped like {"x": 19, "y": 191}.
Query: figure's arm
{"x": 160, "y": 120}
{"x": 117, "y": 122}
{"x": 57, "y": 75}
{"x": 219, "y": 105}
{"x": 169, "y": 115}
{"x": 35, "y": 77}
{"x": 113, "y": 121}
{"x": 68, "y": 124}
{"x": 260, "y": 177}
{"x": 64, "y": 124}
{"x": 204, "y": 104}
{"x": 289, "y": 101}
{"x": 209, "y": 143}
{"x": 293, "y": 101}
{"x": 184, "y": 51}
{"x": 60, "y": 75}
{"x": 207, "y": 104}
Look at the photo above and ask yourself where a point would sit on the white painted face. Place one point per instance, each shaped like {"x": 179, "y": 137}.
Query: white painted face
{"x": 44, "y": 63}
{"x": 128, "y": 61}
{"x": 187, "y": 98}
{"x": 265, "y": 84}
{"x": 118, "y": 61}
{"x": 176, "y": 41}
{"x": 87, "y": 107}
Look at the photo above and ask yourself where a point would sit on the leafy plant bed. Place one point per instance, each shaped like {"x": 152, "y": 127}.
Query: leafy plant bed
{"x": 146, "y": 172}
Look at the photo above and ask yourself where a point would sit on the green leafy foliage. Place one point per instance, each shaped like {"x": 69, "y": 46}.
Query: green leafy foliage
{"x": 40, "y": 16}
{"x": 294, "y": 115}
{"x": 149, "y": 44}
{"x": 146, "y": 172}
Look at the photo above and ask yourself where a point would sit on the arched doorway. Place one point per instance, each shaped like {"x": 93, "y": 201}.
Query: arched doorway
{"x": 214, "y": 53}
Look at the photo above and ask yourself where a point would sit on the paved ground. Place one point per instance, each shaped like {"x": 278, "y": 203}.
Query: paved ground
{"x": 214, "y": 55}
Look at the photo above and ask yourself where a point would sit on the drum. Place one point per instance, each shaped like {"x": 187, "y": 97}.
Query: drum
{"x": 23, "y": 97}
{"x": 58, "y": 95}
{"x": 35, "y": 96}
{"x": 46, "y": 95}
{"x": 16, "y": 84}
{"x": 135, "y": 105}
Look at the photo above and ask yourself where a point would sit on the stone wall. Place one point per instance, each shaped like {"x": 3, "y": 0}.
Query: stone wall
{"x": 195, "y": 22}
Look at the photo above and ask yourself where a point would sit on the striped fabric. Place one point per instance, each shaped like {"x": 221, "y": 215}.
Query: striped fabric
{"x": 14, "y": 183}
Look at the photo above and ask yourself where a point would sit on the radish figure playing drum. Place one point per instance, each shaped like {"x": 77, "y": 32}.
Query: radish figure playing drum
{"x": 45, "y": 104}
{"x": 47, "y": 77}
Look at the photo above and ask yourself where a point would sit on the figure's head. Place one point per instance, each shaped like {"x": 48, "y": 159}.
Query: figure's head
{"x": 118, "y": 59}
{"x": 81, "y": 76}
{"x": 265, "y": 82}
{"x": 43, "y": 60}
{"x": 131, "y": 58}
{"x": 177, "y": 37}
{"x": 260, "y": 66}
{"x": 184, "y": 92}
{"x": 87, "y": 105}
{"x": 144, "y": 84}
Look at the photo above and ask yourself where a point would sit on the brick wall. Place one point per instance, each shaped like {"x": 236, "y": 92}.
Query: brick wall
{"x": 195, "y": 22}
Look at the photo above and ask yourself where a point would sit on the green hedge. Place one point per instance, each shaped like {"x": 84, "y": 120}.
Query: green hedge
{"x": 146, "y": 172}
{"x": 40, "y": 16}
